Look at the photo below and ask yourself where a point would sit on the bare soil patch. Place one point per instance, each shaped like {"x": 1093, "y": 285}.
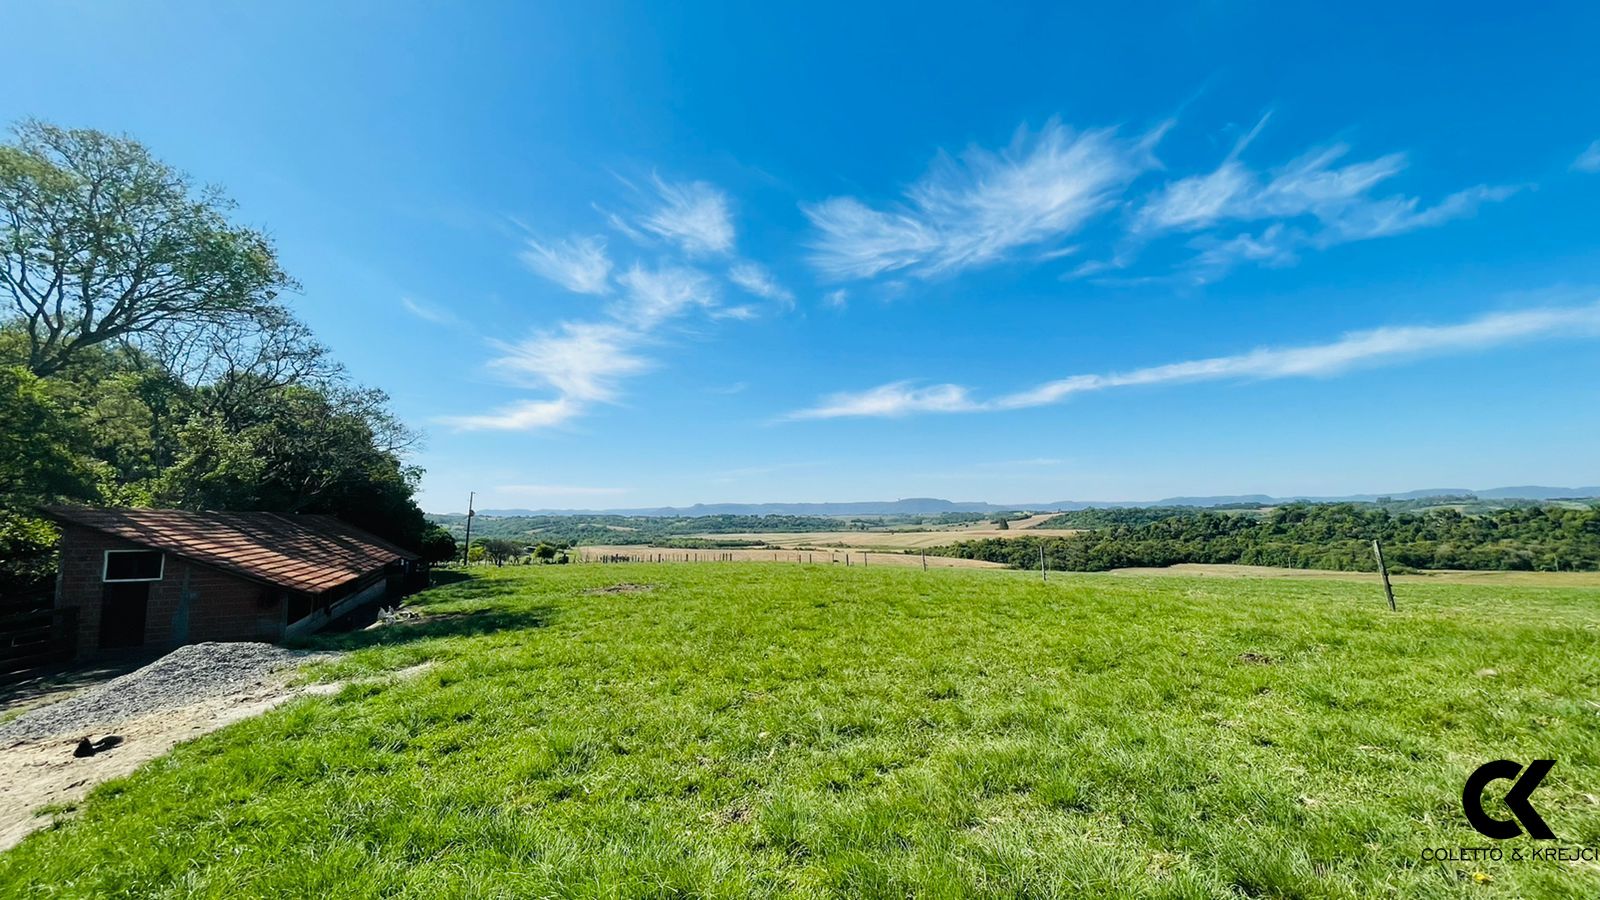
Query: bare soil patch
{"x": 623, "y": 588}
{"x": 190, "y": 691}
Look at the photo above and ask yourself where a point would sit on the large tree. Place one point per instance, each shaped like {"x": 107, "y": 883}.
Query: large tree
{"x": 144, "y": 339}
{"x": 100, "y": 241}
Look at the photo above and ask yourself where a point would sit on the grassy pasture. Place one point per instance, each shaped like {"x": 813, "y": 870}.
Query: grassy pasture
{"x": 820, "y": 556}
{"x": 759, "y": 730}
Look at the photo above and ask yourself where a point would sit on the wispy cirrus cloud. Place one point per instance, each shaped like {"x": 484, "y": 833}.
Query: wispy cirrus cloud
{"x": 652, "y": 296}
{"x": 753, "y": 278}
{"x": 581, "y": 361}
{"x": 580, "y": 264}
{"x": 427, "y": 312}
{"x": 693, "y": 215}
{"x": 585, "y": 362}
{"x": 1313, "y": 202}
{"x": 524, "y": 415}
{"x": 1589, "y": 160}
{"x": 972, "y": 210}
{"x": 893, "y": 400}
{"x": 1363, "y": 348}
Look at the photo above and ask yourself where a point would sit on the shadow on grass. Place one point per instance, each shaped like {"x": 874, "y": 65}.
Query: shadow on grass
{"x": 443, "y": 577}
{"x": 431, "y": 627}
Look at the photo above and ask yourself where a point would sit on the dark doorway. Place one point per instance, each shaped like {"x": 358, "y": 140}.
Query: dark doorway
{"x": 122, "y": 612}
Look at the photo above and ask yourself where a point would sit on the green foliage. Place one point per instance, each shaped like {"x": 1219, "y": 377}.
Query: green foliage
{"x": 1101, "y": 517}
{"x": 145, "y": 359}
{"x": 27, "y": 553}
{"x": 786, "y": 731}
{"x": 42, "y": 459}
{"x": 41, "y": 446}
{"x": 439, "y": 546}
{"x": 1317, "y": 536}
{"x": 100, "y": 241}
{"x": 663, "y": 531}
{"x": 301, "y": 448}
{"x": 500, "y": 550}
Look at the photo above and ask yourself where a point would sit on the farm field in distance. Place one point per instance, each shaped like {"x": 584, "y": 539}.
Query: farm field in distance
{"x": 901, "y": 537}
{"x": 848, "y": 556}
{"x": 760, "y": 730}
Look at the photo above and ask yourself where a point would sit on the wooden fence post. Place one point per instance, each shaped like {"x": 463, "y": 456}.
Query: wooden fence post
{"x": 1383, "y": 569}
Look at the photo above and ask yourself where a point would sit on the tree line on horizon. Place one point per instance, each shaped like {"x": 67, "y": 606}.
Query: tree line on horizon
{"x": 1337, "y": 536}
{"x": 147, "y": 359}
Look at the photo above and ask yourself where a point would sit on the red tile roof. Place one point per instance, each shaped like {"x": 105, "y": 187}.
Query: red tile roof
{"x": 310, "y": 553}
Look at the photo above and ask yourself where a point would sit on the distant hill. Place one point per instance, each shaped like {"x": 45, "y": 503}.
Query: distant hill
{"x": 921, "y": 506}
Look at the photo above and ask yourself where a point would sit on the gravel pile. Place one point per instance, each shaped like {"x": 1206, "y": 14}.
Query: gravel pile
{"x": 183, "y": 677}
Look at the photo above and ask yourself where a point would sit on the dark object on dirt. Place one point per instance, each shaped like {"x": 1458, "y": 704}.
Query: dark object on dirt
{"x": 1260, "y": 659}
{"x": 87, "y": 747}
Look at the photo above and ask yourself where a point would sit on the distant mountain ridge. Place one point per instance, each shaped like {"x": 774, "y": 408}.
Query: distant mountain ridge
{"x": 921, "y": 506}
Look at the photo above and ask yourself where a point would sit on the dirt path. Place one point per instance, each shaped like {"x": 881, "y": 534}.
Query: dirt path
{"x": 44, "y": 773}
{"x": 188, "y": 692}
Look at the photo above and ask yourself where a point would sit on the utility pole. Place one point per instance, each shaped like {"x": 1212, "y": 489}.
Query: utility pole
{"x": 1044, "y": 574}
{"x": 466, "y": 552}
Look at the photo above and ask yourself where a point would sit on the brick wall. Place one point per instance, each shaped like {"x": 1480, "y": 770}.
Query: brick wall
{"x": 220, "y": 606}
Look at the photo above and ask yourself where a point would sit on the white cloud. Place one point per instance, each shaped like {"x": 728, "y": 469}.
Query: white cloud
{"x": 1273, "y": 247}
{"x": 1375, "y": 347}
{"x": 755, "y": 279}
{"x": 1589, "y": 160}
{"x": 579, "y": 265}
{"x": 1311, "y": 202}
{"x": 837, "y": 299}
{"x": 580, "y": 360}
{"x": 971, "y": 211}
{"x": 428, "y": 312}
{"x": 654, "y": 295}
{"x": 693, "y": 215}
{"x": 1398, "y": 215}
{"x": 891, "y": 401}
{"x": 584, "y": 362}
{"x": 524, "y": 415}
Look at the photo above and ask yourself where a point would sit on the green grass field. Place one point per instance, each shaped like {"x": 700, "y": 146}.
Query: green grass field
{"x": 762, "y": 730}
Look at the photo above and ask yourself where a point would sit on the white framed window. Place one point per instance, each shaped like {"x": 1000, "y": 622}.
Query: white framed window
{"x": 134, "y": 565}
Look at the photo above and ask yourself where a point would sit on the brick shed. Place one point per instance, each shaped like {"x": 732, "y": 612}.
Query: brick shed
{"x": 161, "y": 577}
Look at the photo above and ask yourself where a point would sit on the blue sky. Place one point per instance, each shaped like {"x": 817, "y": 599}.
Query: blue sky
{"x": 625, "y": 254}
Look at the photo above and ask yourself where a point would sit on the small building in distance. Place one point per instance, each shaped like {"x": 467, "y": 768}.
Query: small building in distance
{"x": 160, "y": 578}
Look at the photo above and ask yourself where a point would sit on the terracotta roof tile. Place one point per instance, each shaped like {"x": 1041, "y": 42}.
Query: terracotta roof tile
{"x": 310, "y": 553}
